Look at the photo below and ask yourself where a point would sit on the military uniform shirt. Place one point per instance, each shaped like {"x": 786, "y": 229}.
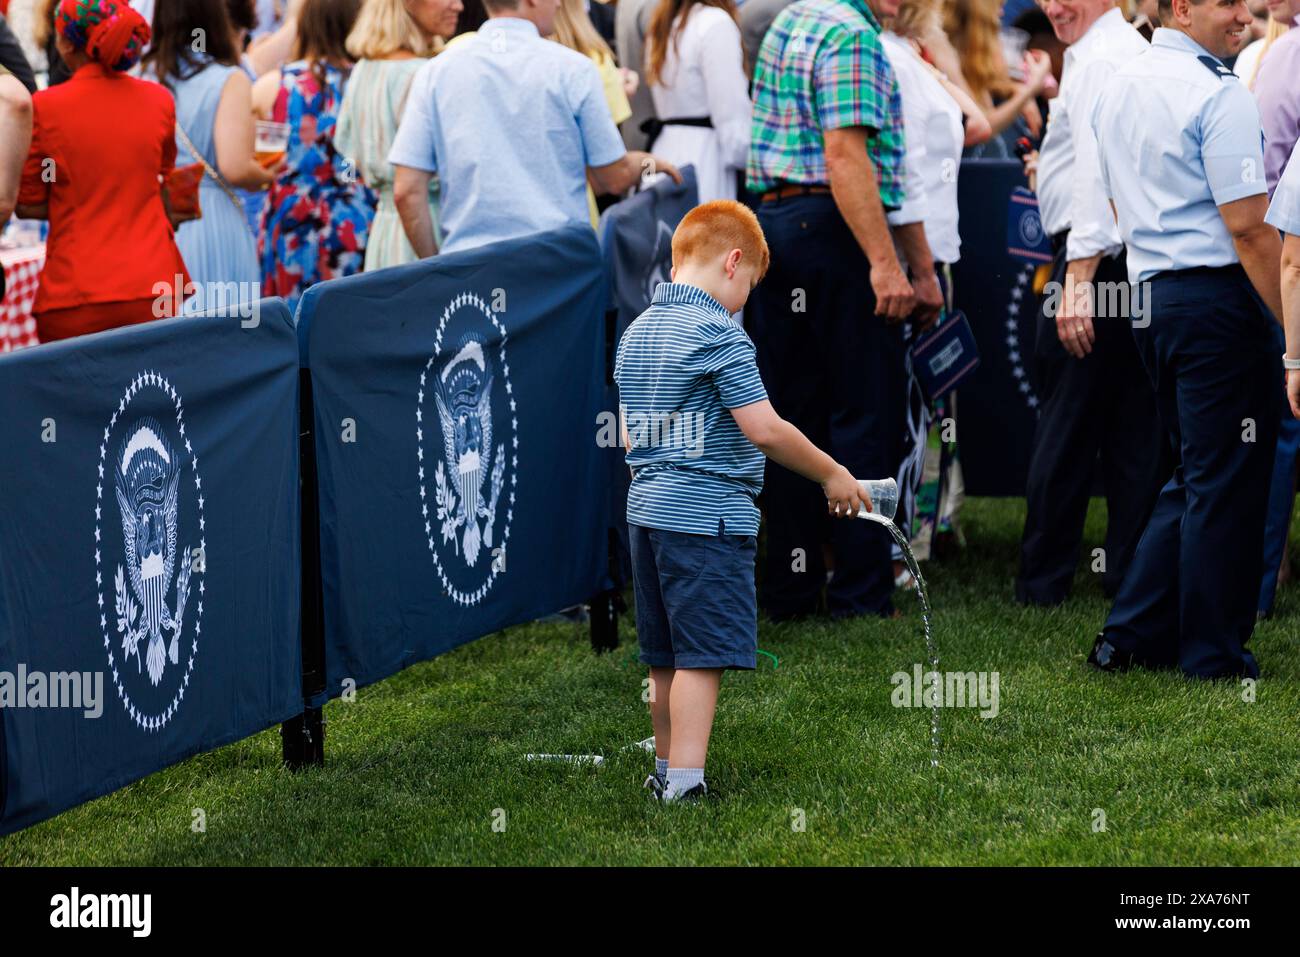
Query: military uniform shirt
{"x": 1179, "y": 136}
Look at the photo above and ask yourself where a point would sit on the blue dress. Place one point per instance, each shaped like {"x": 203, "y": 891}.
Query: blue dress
{"x": 218, "y": 248}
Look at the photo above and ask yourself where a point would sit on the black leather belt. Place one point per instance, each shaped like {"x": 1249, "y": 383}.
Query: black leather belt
{"x": 654, "y": 126}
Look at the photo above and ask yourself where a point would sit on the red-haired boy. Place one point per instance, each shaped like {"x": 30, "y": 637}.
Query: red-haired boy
{"x": 697, "y": 424}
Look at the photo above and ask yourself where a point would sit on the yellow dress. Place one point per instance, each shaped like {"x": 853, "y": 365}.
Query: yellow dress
{"x": 619, "y": 108}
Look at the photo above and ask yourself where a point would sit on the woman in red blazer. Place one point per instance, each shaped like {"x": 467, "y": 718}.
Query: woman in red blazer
{"x": 102, "y": 145}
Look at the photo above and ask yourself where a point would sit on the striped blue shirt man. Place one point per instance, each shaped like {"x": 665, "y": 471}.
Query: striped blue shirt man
{"x": 681, "y": 367}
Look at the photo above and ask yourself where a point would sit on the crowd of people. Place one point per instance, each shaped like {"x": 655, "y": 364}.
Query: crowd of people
{"x": 267, "y": 145}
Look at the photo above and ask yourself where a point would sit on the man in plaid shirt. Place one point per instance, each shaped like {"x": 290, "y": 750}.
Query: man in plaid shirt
{"x": 826, "y": 161}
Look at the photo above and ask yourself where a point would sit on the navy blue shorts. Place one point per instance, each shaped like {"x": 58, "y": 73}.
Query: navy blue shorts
{"x": 695, "y": 600}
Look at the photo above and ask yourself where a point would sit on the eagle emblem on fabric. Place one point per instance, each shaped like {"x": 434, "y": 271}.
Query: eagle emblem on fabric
{"x": 463, "y": 393}
{"x": 151, "y": 582}
{"x": 468, "y": 470}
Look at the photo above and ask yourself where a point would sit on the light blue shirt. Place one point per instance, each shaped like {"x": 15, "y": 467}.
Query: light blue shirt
{"x": 510, "y": 122}
{"x": 1284, "y": 211}
{"x": 1179, "y": 135}
{"x": 681, "y": 366}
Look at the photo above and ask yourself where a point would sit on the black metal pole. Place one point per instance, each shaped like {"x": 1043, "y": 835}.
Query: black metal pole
{"x": 604, "y": 623}
{"x": 303, "y": 737}
{"x": 606, "y": 605}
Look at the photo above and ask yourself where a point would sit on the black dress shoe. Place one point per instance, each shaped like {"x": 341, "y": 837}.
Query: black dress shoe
{"x": 1106, "y": 657}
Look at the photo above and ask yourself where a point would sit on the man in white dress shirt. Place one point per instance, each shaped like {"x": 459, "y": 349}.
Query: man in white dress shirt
{"x": 1097, "y": 400}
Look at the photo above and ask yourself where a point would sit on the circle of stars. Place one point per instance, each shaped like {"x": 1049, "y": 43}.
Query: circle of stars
{"x": 457, "y": 595}
{"x": 148, "y": 722}
{"x": 1023, "y": 281}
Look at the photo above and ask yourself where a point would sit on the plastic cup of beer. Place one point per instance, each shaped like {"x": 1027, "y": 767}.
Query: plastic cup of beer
{"x": 270, "y": 143}
{"x": 884, "y": 498}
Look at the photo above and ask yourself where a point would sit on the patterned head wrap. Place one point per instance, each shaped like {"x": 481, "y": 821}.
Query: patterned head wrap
{"x": 109, "y": 31}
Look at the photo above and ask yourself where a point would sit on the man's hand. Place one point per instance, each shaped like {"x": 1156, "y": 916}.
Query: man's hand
{"x": 844, "y": 496}
{"x": 1293, "y": 391}
{"x": 1074, "y": 320}
{"x": 651, "y": 164}
{"x": 1077, "y": 309}
{"x": 895, "y": 298}
{"x": 627, "y": 171}
{"x": 911, "y": 241}
{"x": 929, "y": 300}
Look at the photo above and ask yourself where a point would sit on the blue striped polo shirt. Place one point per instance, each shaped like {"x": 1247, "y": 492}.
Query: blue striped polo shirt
{"x": 681, "y": 365}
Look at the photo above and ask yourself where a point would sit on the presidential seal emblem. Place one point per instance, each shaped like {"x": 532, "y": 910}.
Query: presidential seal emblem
{"x": 1031, "y": 228}
{"x": 467, "y": 446}
{"x": 149, "y": 490}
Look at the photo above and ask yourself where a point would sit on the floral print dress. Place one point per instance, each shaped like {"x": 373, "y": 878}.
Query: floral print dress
{"x": 318, "y": 211}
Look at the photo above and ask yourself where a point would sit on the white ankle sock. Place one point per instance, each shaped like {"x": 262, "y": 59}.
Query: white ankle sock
{"x": 661, "y": 769}
{"x": 681, "y": 780}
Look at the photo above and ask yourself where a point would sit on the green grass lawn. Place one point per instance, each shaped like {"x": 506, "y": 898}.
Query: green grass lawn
{"x": 418, "y": 766}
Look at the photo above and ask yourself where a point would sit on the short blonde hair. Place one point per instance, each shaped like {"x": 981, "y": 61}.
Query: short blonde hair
{"x": 383, "y": 28}
{"x": 714, "y": 229}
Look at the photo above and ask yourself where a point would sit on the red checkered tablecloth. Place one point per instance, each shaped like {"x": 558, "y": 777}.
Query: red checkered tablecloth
{"x": 22, "y": 270}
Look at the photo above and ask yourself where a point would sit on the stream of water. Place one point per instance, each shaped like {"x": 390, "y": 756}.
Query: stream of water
{"x": 931, "y": 650}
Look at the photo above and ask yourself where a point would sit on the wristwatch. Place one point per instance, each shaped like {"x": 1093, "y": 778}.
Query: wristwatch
{"x": 1289, "y": 363}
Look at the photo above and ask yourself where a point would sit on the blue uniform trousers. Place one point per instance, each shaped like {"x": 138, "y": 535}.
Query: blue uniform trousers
{"x": 1189, "y": 597}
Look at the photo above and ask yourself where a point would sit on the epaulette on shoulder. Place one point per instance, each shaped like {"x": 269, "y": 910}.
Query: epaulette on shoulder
{"x": 1215, "y": 67}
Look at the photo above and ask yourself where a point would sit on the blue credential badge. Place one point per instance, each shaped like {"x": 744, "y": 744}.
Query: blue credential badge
{"x": 945, "y": 356}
